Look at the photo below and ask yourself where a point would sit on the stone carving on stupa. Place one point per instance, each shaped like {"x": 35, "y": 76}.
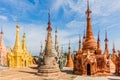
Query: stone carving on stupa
{"x": 59, "y": 55}
{"x": 115, "y": 57}
{"x": 19, "y": 55}
{"x": 3, "y": 51}
{"x": 49, "y": 68}
{"x": 69, "y": 58}
{"x": 89, "y": 59}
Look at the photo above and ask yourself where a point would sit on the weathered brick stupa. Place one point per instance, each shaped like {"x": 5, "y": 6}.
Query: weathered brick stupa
{"x": 49, "y": 68}
{"x": 89, "y": 59}
{"x": 69, "y": 58}
{"x": 3, "y": 51}
{"x": 116, "y": 60}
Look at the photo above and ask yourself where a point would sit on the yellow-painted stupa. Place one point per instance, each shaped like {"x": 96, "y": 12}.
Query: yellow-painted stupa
{"x": 19, "y": 56}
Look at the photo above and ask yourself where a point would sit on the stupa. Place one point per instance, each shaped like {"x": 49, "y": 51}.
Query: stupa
{"x": 89, "y": 59}
{"x": 3, "y": 51}
{"x": 49, "y": 68}
{"x": 69, "y": 58}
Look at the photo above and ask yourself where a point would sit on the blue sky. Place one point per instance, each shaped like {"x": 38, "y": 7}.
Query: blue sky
{"x": 67, "y": 15}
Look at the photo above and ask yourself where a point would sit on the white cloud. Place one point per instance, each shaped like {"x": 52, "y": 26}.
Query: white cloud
{"x": 99, "y": 7}
{"x": 76, "y": 24}
{"x": 4, "y": 18}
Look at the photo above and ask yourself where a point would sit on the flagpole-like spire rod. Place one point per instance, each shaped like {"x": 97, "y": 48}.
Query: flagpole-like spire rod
{"x": 49, "y": 16}
{"x": 88, "y": 4}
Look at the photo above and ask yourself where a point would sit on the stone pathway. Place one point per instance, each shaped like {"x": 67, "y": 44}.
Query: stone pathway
{"x": 97, "y": 78}
{"x": 89, "y": 78}
{"x": 30, "y": 74}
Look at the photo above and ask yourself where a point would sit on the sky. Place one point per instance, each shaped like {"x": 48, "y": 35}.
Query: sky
{"x": 67, "y": 15}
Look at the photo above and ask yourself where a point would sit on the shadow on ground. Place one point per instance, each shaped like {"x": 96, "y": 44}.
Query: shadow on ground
{"x": 68, "y": 71}
{"x": 34, "y": 67}
{"x": 35, "y": 73}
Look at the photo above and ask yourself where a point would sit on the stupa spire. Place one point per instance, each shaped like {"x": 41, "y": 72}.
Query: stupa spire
{"x": 69, "y": 47}
{"x": 1, "y": 34}
{"x": 48, "y": 50}
{"x": 41, "y": 48}
{"x": 106, "y": 40}
{"x": 88, "y": 4}
{"x": 56, "y": 39}
{"x": 106, "y": 44}
{"x": 49, "y": 23}
{"x": 114, "y": 51}
{"x": 98, "y": 41}
{"x": 2, "y": 38}
{"x": 69, "y": 57}
{"x": 49, "y": 67}
{"x": 79, "y": 42}
{"x": 89, "y": 39}
{"x": 83, "y": 38}
{"x": 1, "y": 31}
{"x": 24, "y": 42}
{"x": 17, "y": 41}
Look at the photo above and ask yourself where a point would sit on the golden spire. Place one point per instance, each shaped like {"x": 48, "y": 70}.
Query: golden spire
{"x": 17, "y": 41}
{"x": 24, "y": 42}
{"x": 89, "y": 39}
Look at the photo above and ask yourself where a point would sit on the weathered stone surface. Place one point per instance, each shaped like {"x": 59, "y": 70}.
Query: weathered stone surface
{"x": 3, "y": 51}
{"x": 89, "y": 59}
{"x": 49, "y": 68}
{"x": 69, "y": 58}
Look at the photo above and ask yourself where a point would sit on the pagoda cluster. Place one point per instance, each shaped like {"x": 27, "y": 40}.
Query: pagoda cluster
{"x": 19, "y": 56}
{"x": 88, "y": 60}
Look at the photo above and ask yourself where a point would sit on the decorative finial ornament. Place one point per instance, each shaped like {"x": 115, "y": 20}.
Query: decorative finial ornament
{"x": 79, "y": 38}
{"x": 114, "y": 47}
{"x": 49, "y": 24}
{"x": 79, "y": 41}
{"x": 69, "y": 44}
{"x": 49, "y": 15}
{"x": 41, "y": 46}
{"x": 24, "y": 35}
{"x": 69, "y": 47}
{"x": 56, "y": 30}
{"x": 1, "y": 31}
{"x": 106, "y": 35}
{"x": 99, "y": 35}
{"x": 84, "y": 33}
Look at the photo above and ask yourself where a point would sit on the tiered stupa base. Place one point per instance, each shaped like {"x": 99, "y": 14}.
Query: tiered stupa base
{"x": 48, "y": 71}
